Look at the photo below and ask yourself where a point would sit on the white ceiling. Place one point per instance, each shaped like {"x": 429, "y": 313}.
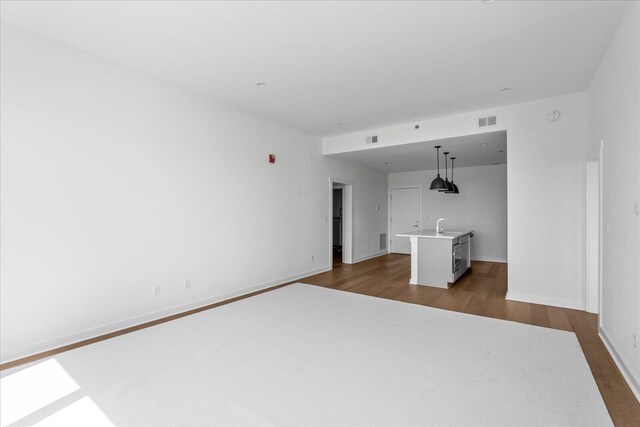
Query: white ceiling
{"x": 365, "y": 63}
{"x": 468, "y": 151}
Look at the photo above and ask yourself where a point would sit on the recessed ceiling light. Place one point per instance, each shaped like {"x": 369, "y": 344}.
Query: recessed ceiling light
{"x": 261, "y": 84}
{"x": 341, "y": 124}
{"x": 484, "y": 144}
{"x": 505, "y": 90}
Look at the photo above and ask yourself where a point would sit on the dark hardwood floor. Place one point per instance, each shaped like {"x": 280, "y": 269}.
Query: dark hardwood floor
{"x": 481, "y": 291}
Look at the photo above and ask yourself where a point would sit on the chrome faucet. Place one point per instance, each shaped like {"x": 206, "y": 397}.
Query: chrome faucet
{"x": 439, "y": 229}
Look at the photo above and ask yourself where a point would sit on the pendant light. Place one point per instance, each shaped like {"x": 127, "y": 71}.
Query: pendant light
{"x": 446, "y": 177}
{"x": 455, "y": 187}
{"x": 438, "y": 183}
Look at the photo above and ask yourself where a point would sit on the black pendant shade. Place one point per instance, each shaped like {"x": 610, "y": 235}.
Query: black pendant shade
{"x": 449, "y": 185}
{"x": 438, "y": 183}
{"x": 454, "y": 189}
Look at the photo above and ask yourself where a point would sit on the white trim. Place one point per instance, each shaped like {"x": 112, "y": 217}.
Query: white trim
{"x": 592, "y": 288}
{"x": 575, "y": 305}
{"x": 415, "y": 254}
{"x": 402, "y": 187}
{"x": 619, "y": 361}
{"x": 364, "y": 258}
{"x": 29, "y": 350}
{"x": 347, "y": 217}
{"x": 600, "y": 227}
{"x": 501, "y": 261}
{"x": 348, "y": 244}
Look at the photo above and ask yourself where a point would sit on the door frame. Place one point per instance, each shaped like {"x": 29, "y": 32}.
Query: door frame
{"x": 600, "y": 228}
{"x": 592, "y": 232}
{"x": 347, "y": 220}
{"x": 402, "y": 187}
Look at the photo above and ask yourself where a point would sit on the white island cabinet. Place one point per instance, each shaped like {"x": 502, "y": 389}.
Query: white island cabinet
{"x": 438, "y": 259}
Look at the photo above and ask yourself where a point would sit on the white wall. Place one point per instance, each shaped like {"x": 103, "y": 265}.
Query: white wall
{"x": 114, "y": 182}
{"x": 545, "y": 189}
{"x": 614, "y": 111}
{"x": 481, "y": 206}
{"x": 370, "y": 205}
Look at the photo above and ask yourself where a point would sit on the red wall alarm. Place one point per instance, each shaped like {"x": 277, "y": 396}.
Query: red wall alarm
{"x": 272, "y": 158}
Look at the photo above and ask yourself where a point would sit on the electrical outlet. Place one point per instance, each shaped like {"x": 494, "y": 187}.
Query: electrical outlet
{"x": 155, "y": 291}
{"x": 187, "y": 284}
{"x": 635, "y": 340}
{"x": 312, "y": 258}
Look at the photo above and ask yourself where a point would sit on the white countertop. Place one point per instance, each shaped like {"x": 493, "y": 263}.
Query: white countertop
{"x": 431, "y": 234}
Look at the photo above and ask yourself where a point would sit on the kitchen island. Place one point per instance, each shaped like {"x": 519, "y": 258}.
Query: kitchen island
{"x": 438, "y": 259}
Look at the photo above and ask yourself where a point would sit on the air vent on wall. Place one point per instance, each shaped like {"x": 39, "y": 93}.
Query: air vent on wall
{"x": 487, "y": 121}
{"x": 383, "y": 241}
{"x": 372, "y": 139}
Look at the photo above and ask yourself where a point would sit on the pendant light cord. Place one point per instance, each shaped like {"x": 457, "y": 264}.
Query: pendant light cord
{"x": 452, "y": 159}
{"x": 446, "y": 175}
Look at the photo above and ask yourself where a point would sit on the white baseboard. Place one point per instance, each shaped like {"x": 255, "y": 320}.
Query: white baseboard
{"x": 619, "y": 361}
{"x": 576, "y": 305}
{"x": 502, "y": 261}
{"x": 8, "y": 355}
{"x": 364, "y": 258}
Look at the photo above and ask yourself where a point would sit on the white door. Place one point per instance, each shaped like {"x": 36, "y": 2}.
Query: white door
{"x": 404, "y": 217}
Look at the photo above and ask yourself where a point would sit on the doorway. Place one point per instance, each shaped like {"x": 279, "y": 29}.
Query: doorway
{"x": 337, "y": 223}
{"x": 404, "y": 217}
{"x": 341, "y": 221}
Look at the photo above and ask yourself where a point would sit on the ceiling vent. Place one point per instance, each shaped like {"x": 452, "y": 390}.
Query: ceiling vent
{"x": 487, "y": 121}
{"x": 372, "y": 139}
